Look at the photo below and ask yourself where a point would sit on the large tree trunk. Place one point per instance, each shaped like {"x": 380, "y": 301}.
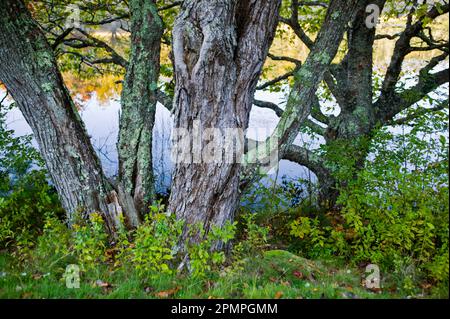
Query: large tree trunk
{"x": 357, "y": 119}
{"x": 303, "y": 94}
{"x": 139, "y": 106}
{"x": 354, "y": 76}
{"x": 219, "y": 49}
{"x": 29, "y": 71}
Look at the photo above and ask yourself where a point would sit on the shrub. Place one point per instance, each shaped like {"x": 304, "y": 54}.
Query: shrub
{"x": 54, "y": 246}
{"x": 156, "y": 242}
{"x": 253, "y": 238}
{"x": 90, "y": 242}
{"x": 25, "y": 194}
{"x": 395, "y": 213}
{"x": 157, "y": 245}
{"x": 202, "y": 257}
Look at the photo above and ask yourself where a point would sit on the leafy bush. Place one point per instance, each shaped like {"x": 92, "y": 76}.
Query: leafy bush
{"x": 25, "y": 194}
{"x": 157, "y": 245}
{"x": 90, "y": 242}
{"x": 253, "y": 238}
{"x": 202, "y": 257}
{"x": 54, "y": 247}
{"x": 156, "y": 242}
{"x": 395, "y": 213}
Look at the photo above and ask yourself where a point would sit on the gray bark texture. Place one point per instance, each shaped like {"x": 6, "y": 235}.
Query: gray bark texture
{"x": 303, "y": 95}
{"x": 350, "y": 82}
{"x": 29, "y": 71}
{"x": 302, "y": 99}
{"x": 219, "y": 49}
{"x": 357, "y": 117}
{"x": 138, "y": 108}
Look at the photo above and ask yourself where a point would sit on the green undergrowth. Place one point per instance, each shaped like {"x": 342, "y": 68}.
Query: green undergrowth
{"x": 275, "y": 274}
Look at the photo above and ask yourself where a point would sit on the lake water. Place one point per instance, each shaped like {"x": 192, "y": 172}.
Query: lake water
{"x": 100, "y": 109}
{"x": 102, "y": 123}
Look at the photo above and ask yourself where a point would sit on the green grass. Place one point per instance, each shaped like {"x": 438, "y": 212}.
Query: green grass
{"x": 276, "y": 274}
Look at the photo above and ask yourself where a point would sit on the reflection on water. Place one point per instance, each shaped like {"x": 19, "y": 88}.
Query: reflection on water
{"x": 105, "y": 88}
{"x": 102, "y": 123}
{"x": 99, "y": 104}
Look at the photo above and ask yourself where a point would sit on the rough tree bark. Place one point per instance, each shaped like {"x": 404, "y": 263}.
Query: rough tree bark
{"x": 357, "y": 117}
{"x": 219, "y": 48}
{"x": 139, "y": 106}
{"x": 302, "y": 97}
{"x": 29, "y": 71}
{"x": 360, "y": 116}
{"x": 351, "y": 84}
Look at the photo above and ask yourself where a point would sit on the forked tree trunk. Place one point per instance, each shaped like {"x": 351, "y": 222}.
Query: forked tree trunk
{"x": 303, "y": 94}
{"x": 139, "y": 106}
{"x": 219, "y": 49}
{"x": 357, "y": 119}
{"x": 29, "y": 71}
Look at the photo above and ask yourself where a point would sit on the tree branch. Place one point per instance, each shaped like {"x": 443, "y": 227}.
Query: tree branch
{"x": 170, "y": 6}
{"x": 403, "y": 48}
{"x": 305, "y": 157}
{"x": 59, "y": 39}
{"x": 314, "y": 127}
{"x": 419, "y": 113}
{"x": 117, "y": 57}
{"x": 269, "y": 105}
{"x": 395, "y": 103}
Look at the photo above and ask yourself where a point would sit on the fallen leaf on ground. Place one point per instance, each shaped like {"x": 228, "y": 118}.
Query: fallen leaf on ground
{"x": 279, "y": 295}
{"x": 167, "y": 293}
{"x": 426, "y": 285}
{"x": 375, "y": 290}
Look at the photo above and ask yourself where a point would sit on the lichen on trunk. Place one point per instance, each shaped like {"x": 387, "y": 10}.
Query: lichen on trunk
{"x": 219, "y": 50}
{"x": 139, "y": 106}
{"x": 30, "y": 73}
